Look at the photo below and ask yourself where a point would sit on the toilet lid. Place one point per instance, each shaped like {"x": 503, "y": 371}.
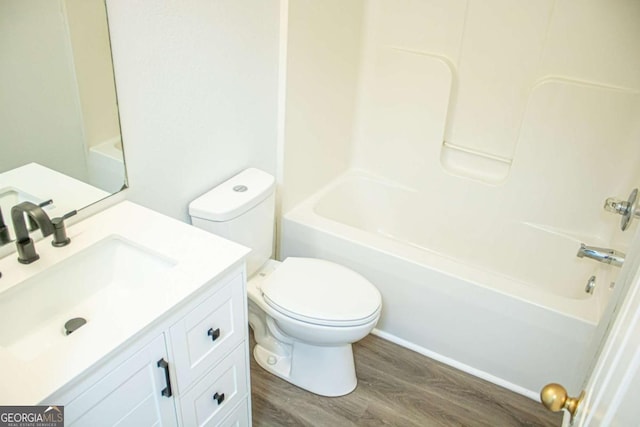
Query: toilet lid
{"x": 321, "y": 292}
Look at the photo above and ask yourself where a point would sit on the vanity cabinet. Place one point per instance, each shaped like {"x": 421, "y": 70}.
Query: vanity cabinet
{"x": 191, "y": 369}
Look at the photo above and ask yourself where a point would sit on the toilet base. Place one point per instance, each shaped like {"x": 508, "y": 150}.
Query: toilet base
{"x": 326, "y": 371}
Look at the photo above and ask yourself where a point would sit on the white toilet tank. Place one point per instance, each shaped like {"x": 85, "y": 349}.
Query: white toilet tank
{"x": 240, "y": 209}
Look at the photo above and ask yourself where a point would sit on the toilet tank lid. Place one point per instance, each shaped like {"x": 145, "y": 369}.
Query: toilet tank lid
{"x": 233, "y": 197}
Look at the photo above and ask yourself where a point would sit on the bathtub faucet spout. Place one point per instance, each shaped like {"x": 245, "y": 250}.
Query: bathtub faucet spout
{"x": 604, "y": 255}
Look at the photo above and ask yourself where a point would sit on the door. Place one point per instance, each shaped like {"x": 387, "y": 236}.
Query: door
{"x": 612, "y": 392}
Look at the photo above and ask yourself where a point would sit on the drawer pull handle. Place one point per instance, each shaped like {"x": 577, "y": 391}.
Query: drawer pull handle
{"x": 166, "y": 392}
{"x": 218, "y": 397}
{"x": 214, "y": 334}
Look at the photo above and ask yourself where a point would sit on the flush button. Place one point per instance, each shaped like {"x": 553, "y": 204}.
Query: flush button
{"x": 240, "y": 188}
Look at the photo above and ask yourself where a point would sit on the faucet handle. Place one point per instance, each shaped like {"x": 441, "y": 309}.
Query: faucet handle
{"x": 59, "y": 231}
{"x": 627, "y": 208}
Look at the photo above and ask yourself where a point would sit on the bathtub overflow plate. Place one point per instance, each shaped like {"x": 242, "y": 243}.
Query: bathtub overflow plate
{"x": 591, "y": 285}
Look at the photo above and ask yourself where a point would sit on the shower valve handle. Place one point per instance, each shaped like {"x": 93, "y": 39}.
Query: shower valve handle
{"x": 627, "y": 208}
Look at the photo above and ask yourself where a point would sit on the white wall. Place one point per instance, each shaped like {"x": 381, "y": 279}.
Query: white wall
{"x": 197, "y": 91}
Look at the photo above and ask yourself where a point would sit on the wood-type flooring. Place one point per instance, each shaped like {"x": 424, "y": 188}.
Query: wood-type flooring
{"x": 396, "y": 387}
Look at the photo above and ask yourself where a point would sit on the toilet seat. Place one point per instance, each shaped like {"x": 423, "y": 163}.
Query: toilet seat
{"x": 321, "y": 292}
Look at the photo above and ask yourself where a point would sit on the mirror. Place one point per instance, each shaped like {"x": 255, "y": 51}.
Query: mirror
{"x": 60, "y": 131}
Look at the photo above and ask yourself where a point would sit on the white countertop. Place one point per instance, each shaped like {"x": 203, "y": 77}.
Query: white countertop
{"x": 198, "y": 256}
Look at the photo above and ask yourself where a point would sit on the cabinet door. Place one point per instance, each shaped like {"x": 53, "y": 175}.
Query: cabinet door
{"x": 136, "y": 393}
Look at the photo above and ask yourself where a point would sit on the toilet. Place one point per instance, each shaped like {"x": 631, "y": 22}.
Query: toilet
{"x": 305, "y": 313}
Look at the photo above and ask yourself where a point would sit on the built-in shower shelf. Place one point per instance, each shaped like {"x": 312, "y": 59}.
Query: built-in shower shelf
{"x": 474, "y": 164}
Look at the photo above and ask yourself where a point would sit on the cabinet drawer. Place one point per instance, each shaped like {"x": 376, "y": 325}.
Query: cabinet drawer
{"x": 208, "y": 332}
{"x": 239, "y": 417}
{"x": 212, "y": 398}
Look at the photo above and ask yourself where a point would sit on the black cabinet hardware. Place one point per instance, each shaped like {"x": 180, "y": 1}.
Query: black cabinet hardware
{"x": 218, "y": 397}
{"x": 166, "y": 392}
{"x": 214, "y": 334}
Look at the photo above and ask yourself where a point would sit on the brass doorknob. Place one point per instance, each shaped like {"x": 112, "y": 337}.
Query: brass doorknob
{"x": 555, "y": 398}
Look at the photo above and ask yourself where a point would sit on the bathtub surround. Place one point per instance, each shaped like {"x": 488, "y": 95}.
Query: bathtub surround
{"x": 499, "y": 55}
{"x": 484, "y": 139}
{"x": 321, "y": 73}
{"x": 547, "y": 40}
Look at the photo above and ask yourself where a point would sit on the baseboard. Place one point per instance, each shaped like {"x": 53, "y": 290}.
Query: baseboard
{"x": 534, "y": 395}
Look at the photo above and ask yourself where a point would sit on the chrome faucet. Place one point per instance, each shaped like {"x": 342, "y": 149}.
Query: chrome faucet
{"x": 26, "y": 248}
{"x": 604, "y": 255}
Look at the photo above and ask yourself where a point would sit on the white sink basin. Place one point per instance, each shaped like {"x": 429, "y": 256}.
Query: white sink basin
{"x": 90, "y": 284}
{"x": 125, "y": 269}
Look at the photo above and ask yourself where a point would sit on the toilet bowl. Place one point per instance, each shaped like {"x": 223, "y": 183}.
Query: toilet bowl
{"x": 305, "y": 313}
{"x": 303, "y": 337}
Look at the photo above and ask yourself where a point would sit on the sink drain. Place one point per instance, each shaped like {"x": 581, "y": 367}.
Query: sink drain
{"x": 73, "y": 324}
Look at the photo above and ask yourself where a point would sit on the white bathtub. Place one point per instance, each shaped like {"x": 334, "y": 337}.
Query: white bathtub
{"x": 501, "y": 299}
{"x": 105, "y": 163}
